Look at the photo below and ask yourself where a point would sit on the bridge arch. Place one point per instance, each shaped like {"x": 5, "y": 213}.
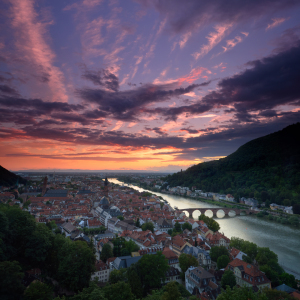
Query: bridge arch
{"x": 187, "y": 214}
{"x": 209, "y": 212}
{"x": 220, "y": 213}
{"x": 232, "y": 213}
{"x": 196, "y": 213}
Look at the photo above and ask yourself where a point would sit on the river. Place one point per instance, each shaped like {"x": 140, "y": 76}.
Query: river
{"x": 282, "y": 239}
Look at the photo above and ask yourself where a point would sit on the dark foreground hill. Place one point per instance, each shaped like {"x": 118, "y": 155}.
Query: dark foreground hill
{"x": 8, "y": 178}
{"x": 267, "y": 168}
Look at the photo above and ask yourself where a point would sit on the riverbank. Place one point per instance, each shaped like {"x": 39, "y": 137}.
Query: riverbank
{"x": 270, "y": 215}
{"x": 282, "y": 239}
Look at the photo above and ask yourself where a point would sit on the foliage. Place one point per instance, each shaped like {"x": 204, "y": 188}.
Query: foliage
{"x": 186, "y": 261}
{"x": 118, "y": 245}
{"x": 210, "y": 222}
{"x": 93, "y": 292}
{"x": 117, "y": 275}
{"x": 106, "y": 253}
{"x": 187, "y": 226}
{"x": 247, "y": 259}
{"x": 121, "y": 218}
{"x": 267, "y": 259}
{"x": 137, "y": 223}
{"x": 177, "y": 227}
{"x": 171, "y": 292}
{"x": 267, "y": 167}
{"x": 296, "y": 208}
{"x": 119, "y": 290}
{"x": 242, "y": 293}
{"x": 38, "y": 291}
{"x": 249, "y": 248}
{"x": 135, "y": 282}
{"x": 222, "y": 261}
{"x": 288, "y": 279}
{"x": 217, "y": 251}
{"x": 277, "y": 295}
{"x": 228, "y": 279}
{"x": 76, "y": 264}
{"x": 148, "y": 226}
{"x": 152, "y": 269}
{"x": 11, "y": 280}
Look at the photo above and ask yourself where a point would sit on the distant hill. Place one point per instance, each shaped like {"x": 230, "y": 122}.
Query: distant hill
{"x": 267, "y": 168}
{"x": 8, "y": 178}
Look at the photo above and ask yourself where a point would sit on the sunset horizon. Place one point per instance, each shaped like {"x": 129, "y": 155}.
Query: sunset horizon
{"x": 155, "y": 86}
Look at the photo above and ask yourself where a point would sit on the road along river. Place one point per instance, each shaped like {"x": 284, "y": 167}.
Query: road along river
{"x": 282, "y": 239}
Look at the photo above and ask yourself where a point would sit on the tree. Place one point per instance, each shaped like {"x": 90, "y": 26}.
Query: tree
{"x": 247, "y": 259}
{"x": 117, "y": 275}
{"x": 148, "y": 226}
{"x": 271, "y": 274}
{"x": 217, "y": 251}
{"x": 277, "y": 295}
{"x": 177, "y": 227}
{"x": 93, "y": 292}
{"x": 106, "y": 252}
{"x": 118, "y": 245}
{"x": 186, "y": 261}
{"x": 264, "y": 255}
{"x": 38, "y": 291}
{"x": 241, "y": 293}
{"x": 137, "y": 223}
{"x": 294, "y": 221}
{"x": 296, "y": 208}
{"x": 172, "y": 292}
{"x": 11, "y": 283}
{"x": 152, "y": 269}
{"x": 120, "y": 291}
{"x": 222, "y": 261}
{"x": 288, "y": 279}
{"x": 135, "y": 282}
{"x": 210, "y": 222}
{"x": 131, "y": 246}
{"x": 187, "y": 226}
{"x": 76, "y": 265}
{"x": 121, "y": 218}
{"x": 228, "y": 279}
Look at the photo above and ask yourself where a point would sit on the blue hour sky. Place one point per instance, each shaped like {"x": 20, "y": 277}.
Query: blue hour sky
{"x": 145, "y": 84}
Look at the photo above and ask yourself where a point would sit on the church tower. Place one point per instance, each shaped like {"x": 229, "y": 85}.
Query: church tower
{"x": 106, "y": 187}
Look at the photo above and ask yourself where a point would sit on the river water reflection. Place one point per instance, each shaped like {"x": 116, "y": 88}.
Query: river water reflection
{"x": 283, "y": 240}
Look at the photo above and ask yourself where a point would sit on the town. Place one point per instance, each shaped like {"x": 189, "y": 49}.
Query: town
{"x": 123, "y": 225}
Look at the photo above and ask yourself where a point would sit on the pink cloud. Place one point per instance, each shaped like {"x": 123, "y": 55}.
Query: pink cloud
{"x": 31, "y": 42}
{"x": 276, "y": 22}
{"x": 214, "y": 38}
{"x": 232, "y": 43}
{"x": 184, "y": 39}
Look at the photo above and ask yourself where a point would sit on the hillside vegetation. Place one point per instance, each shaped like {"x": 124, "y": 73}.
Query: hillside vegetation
{"x": 267, "y": 168}
{"x": 8, "y": 178}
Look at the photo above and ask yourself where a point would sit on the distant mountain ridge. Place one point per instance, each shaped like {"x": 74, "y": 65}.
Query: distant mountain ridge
{"x": 8, "y": 178}
{"x": 267, "y": 168}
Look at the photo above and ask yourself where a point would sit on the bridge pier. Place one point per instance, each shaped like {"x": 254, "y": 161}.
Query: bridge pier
{"x": 190, "y": 215}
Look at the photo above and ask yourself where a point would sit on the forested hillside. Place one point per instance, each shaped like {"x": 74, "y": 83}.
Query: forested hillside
{"x": 8, "y": 178}
{"x": 267, "y": 168}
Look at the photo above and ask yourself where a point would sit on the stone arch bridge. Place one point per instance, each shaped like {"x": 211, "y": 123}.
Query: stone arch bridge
{"x": 238, "y": 212}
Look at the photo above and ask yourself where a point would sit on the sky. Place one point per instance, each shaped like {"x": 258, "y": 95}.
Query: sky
{"x": 156, "y": 85}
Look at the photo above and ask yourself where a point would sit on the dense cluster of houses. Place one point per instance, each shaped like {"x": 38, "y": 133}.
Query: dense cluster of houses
{"x": 122, "y": 211}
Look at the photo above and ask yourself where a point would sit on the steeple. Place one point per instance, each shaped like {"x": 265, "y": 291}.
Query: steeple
{"x": 106, "y": 187}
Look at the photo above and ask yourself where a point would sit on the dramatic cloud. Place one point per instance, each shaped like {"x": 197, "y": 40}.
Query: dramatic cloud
{"x": 103, "y": 78}
{"x": 268, "y": 83}
{"x": 184, "y": 16}
{"x": 127, "y": 105}
{"x": 276, "y": 22}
